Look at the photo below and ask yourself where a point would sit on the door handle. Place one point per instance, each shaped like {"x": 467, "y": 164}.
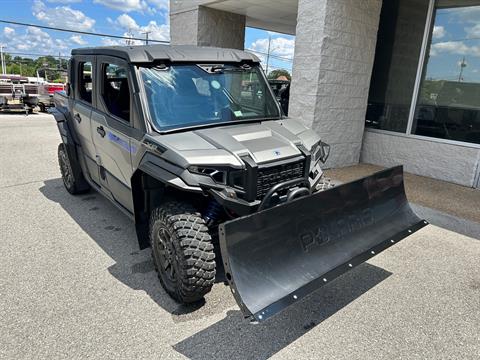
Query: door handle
{"x": 101, "y": 131}
{"x": 78, "y": 118}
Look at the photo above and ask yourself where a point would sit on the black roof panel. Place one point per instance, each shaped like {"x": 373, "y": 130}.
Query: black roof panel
{"x": 173, "y": 53}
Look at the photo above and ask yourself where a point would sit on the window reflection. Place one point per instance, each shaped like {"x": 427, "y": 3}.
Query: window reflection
{"x": 448, "y": 104}
{"x": 400, "y": 36}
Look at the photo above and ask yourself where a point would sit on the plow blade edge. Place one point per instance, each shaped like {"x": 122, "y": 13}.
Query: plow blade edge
{"x": 277, "y": 256}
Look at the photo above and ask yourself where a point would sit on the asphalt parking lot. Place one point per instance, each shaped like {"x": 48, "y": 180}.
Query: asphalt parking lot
{"x": 73, "y": 284}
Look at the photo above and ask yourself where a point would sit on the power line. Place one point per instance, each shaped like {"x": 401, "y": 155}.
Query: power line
{"x": 128, "y": 38}
{"x": 79, "y": 32}
{"x": 271, "y": 55}
{"x": 455, "y": 40}
{"x": 33, "y": 54}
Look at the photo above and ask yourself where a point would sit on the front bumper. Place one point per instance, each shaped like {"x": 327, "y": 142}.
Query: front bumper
{"x": 280, "y": 193}
{"x": 263, "y": 185}
{"x": 228, "y": 199}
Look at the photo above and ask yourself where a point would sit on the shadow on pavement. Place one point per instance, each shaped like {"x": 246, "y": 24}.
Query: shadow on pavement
{"x": 115, "y": 234}
{"x": 224, "y": 338}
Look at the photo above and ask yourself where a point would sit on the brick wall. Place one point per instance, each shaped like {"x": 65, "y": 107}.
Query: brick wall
{"x": 207, "y": 27}
{"x": 334, "y": 53}
{"x": 428, "y": 157}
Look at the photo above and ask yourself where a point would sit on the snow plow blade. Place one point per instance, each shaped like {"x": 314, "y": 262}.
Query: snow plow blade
{"x": 276, "y": 257}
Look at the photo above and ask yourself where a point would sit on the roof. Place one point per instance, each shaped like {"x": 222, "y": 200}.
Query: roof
{"x": 173, "y": 53}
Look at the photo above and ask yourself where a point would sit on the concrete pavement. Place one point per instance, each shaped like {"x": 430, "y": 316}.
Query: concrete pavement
{"x": 73, "y": 285}
{"x": 450, "y": 206}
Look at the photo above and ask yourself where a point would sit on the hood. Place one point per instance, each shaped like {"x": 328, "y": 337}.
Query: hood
{"x": 263, "y": 142}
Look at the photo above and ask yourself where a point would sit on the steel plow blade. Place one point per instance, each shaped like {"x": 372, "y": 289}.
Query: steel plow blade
{"x": 276, "y": 257}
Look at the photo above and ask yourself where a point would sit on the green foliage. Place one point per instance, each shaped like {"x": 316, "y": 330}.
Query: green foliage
{"x": 28, "y": 67}
{"x": 279, "y": 72}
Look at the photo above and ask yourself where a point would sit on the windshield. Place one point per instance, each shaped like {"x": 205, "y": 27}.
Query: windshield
{"x": 181, "y": 96}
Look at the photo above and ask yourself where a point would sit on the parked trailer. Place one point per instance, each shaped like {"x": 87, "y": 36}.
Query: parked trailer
{"x": 45, "y": 94}
{"x": 17, "y": 94}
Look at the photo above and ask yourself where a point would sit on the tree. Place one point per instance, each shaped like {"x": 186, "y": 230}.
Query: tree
{"x": 274, "y": 74}
{"x": 45, "y": 65}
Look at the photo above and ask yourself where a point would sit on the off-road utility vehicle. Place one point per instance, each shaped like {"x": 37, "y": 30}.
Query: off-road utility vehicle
{"x": 191, "y": 143}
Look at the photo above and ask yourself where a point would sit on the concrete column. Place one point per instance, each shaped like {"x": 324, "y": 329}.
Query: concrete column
{"x": 334, "y": 54}
{"x": 202, "y": 26}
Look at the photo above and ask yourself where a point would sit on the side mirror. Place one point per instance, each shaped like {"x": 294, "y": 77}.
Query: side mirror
{"x": 67, "y": 89}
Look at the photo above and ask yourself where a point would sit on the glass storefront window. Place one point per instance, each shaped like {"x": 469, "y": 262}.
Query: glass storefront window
{"x": 399, "y": 43}
{"x": 448, "y": 105}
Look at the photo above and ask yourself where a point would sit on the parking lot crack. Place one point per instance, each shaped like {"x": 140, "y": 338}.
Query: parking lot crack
{"x": 21, "y": 184}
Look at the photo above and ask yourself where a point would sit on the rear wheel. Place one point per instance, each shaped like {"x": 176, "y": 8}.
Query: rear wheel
{"x": 72, "y": 175}
{"x": 182, "y": 251}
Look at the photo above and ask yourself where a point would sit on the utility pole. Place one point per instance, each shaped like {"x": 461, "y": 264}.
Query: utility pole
{"x": 146, "y": 36}
{"x": 463, "y": 65}
{"x": 129, "y": 41}
{"x": 268, "y": 52}
{"x": 4, "y": 71}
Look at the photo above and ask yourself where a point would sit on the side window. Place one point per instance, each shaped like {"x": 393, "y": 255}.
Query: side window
{"x": 85, "y": 81}
{"x": 116, "y": 93}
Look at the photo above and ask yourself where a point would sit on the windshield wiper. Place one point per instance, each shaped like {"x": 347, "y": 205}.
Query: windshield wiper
{"x": 220, "y": 68}
{"x": 241, "y": 68}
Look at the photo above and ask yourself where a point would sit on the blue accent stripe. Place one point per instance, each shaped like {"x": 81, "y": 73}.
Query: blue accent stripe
{"x": 123, "y": 143}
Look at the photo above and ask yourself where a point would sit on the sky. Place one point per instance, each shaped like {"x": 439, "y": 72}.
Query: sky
{"x": 117, "y": 17}
{"x": 456, "y": 34}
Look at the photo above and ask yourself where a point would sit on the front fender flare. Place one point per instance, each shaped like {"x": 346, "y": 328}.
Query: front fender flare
{"x": 167, "y": 174}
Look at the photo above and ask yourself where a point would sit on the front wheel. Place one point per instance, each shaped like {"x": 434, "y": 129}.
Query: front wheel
{"x": 182, "y": 251}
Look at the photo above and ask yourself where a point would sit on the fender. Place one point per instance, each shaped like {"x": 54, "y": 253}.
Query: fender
{"x": 167, "y": 173}
{"x": 69, "y": 137}
{"x": 148, "y": 191}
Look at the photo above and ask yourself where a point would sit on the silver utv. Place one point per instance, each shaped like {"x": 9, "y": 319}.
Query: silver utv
{"x": 191, "y": 143}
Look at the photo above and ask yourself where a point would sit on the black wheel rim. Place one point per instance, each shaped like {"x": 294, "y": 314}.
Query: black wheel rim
{"x": 66, "y": 169}
{"x": 165, "y": 256}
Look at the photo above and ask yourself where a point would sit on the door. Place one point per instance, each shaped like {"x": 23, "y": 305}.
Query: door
{"x": 111, "y": 129}
{"x": 82, "y": 111}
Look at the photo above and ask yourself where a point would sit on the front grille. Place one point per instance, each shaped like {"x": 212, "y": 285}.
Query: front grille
{"x": 270, "y": 176}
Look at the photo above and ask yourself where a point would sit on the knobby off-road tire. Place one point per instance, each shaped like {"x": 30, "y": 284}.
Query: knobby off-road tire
{"x": 182, "y": 251}
{"x": 72, "y": 175}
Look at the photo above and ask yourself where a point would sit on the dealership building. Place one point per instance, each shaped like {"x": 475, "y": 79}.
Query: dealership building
{"x": 384, "y": 82}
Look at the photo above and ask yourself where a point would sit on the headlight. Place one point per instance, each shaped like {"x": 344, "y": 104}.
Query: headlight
{"x": 217, "y": 175}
